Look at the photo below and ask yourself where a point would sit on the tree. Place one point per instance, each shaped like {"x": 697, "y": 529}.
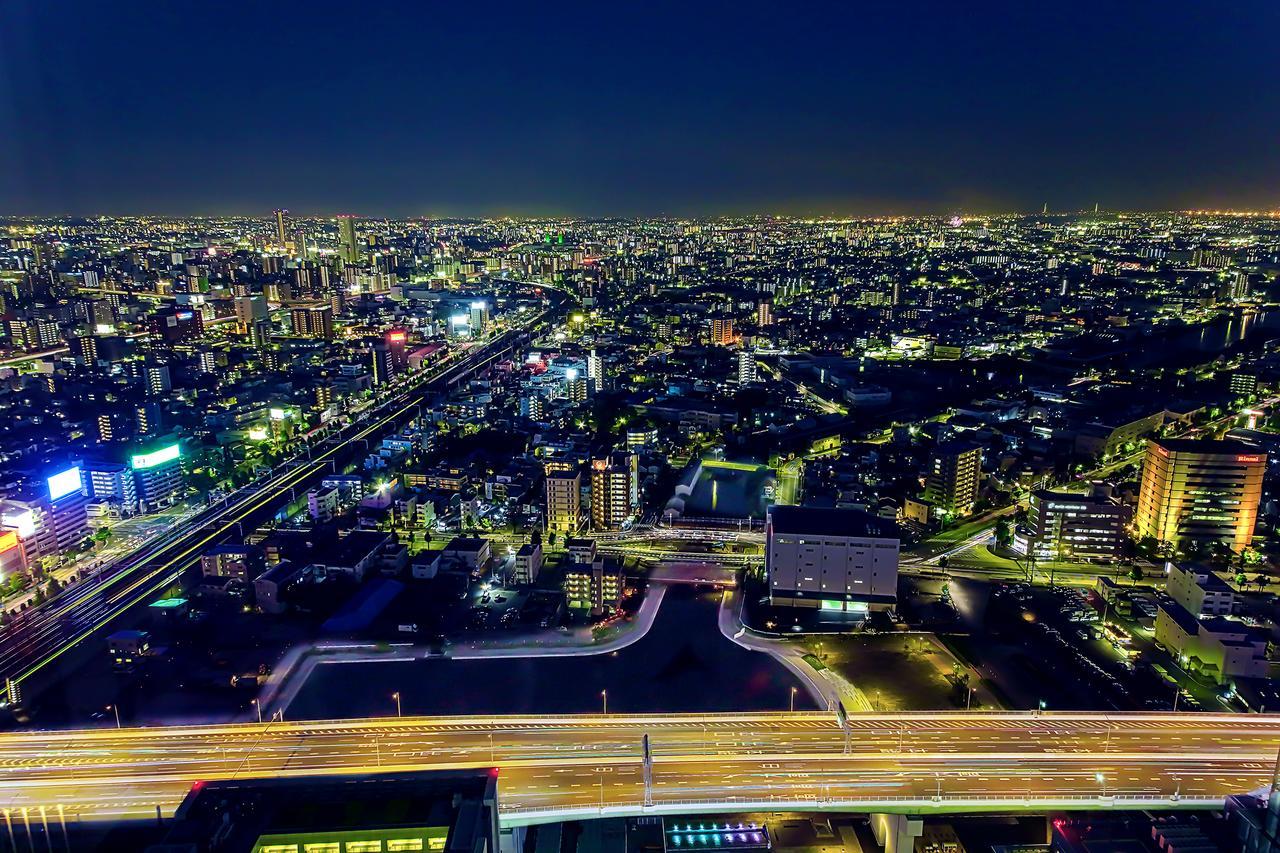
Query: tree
{"x": 1004, "y": 532}
{"x": 1135, "y": 574}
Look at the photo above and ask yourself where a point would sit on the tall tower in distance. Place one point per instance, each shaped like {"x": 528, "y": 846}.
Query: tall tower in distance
{"x": 282, "y": 227}
{"x": 347, "y": 237}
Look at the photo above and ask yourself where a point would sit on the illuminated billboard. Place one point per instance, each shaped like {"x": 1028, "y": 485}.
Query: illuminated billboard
{"x": 65, "y": 482}
{"x": 22, "y": 520}
{"x": 141, "y": 461}
{"x": 8, "y": 541}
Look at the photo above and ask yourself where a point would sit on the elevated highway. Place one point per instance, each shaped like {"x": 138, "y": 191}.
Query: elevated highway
{"x": 555, "y": 767}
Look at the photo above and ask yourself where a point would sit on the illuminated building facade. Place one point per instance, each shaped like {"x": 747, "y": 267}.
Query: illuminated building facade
{"x": 832, "y": 559}
{"x": 314, "y": 322}
{"x": 614, "y": 490}
{"x": 594, "y": 586}
{"x": 157, "y": 475}
{"x": 564, "y": 502}
{"x": 1200, "y": 491}
{"x": 1062, "y": 526}
{"x": 952, "y": 483}
{"x": 722, "y": 331}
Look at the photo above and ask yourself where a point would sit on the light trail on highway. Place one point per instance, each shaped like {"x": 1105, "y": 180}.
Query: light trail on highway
{"x": 554, "y": 765}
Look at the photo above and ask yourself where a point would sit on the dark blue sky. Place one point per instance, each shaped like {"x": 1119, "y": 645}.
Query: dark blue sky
{"x": 426, "y": 107}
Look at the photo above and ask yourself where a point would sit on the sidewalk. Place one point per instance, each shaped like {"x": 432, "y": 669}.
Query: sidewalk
{"x": 825, "y": 686}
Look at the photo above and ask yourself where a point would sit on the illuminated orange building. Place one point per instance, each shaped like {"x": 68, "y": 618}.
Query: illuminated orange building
{"x": 722, "y": 331}
{"x": 1200, "y": 491}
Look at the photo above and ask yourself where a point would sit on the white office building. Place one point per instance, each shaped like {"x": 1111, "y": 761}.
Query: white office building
{"x": 833, "y": 559}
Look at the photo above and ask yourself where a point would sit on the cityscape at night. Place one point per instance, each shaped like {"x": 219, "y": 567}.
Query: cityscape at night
{"x": 599, "y": 430}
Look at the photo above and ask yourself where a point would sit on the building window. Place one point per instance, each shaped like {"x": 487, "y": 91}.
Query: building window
{"x": 403, "y": 845}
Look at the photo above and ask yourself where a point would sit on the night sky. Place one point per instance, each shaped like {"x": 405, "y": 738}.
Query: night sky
{"x": 416, "y": 108}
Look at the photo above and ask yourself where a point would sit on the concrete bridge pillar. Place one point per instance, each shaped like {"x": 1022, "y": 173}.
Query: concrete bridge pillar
{"x": 896, "y": 833}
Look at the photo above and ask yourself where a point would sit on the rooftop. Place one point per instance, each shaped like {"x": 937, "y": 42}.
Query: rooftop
{"x": 1210, "y": 446}
{"x": 822, "y": 521}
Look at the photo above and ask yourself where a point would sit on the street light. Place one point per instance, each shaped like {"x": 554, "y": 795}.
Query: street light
{"x": 257, "y": 707}
{"x": 1102, "y": 780}
{"x": 604, "y": 698}
{"x": 793, "y": 700}
{"x": 117, "y": 710}
{"x": 396, "y": 696}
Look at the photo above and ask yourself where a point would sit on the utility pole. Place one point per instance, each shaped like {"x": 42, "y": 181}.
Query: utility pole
{"x": 648, "y": 771}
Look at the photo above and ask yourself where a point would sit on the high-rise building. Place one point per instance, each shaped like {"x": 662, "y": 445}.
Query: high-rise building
{"x": 1240, "y": 286}
{"x": 51, "y": 518}
{"x": 613, "y": 490}
{"x": 531, "y": 407}
{"x": 250, "y": 309}
{"x": 478, "y": 317}
{"x": 158, "y": 379}
{"x": 564, "y": 502}
{"x": 347, "y": 239}
{"x": 397, "y": 341}
{"x": 746, "y": 367}
{"x": 1063, "y": 526}
{"x": 1243, "y": 383}
{"x": 722, "y": 331}
{"x": 595, "y": 371}
{"x": 147, "y": 417}
{"x": 381, "y": 363}
{"x": 831, "y": 559}
{"x": 952, "y": 482}
{"x": 575, "y": 386}
{"x": 84, "y": 348}
{"x": 314, "y": 322}
{"x": 282, "y": 228}
{"x": 594, "y": 586}
{"x": 176, "y": 325}
{"x": 157, "y": 475}
{"x": 764, "y": 313}
{"x": 113, "y": 483}
{"x": 1200, "y": 491}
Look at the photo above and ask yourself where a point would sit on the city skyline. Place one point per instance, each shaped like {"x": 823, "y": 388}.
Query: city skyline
{"x": 598, "y": 428}
{"x": 604, "y": 112}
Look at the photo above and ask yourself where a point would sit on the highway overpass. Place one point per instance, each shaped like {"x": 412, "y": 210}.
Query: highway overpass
{"x": 556, "y": 767}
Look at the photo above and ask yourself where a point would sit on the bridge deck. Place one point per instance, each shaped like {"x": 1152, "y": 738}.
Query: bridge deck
{"x": 552, "y": 767}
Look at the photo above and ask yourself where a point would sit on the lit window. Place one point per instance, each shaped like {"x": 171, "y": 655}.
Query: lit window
{"x": 404, "y": 845}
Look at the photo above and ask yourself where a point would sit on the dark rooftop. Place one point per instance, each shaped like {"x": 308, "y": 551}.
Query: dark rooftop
{"x": 1197, "y": 445}
{"x": 822, "y": 521}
